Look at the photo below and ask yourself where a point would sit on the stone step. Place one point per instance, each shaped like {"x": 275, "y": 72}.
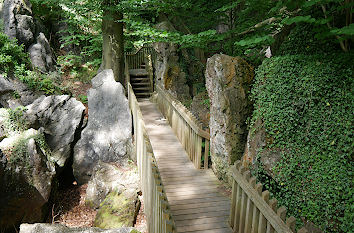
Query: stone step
{"x": 141, "y": 84}
{"x": 138, "y": 72}
{"x": 141, "y": 89}
{"x": 133, "y": 79}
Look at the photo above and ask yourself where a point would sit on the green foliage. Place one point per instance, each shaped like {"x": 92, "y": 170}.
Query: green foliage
{"x": 13, "y": 120}
{"x": 11, "y": 55}
{"x": 302, "y": 40}
{"x": 83, "y": 98}
{"x": 14, "y": 61}
{"x": 37, "y": 81}
{"x": 305, "y": 103}
{"x": 18, "y": 153}
{"x": 17, "y": 120}
{"x": 81, "y": 33}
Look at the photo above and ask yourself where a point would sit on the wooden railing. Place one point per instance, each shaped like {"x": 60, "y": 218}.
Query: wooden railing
{"x": 157, "y": 210}
{"x": 137, "y": 58}
{"x": 186, "y": 127}
{"x": 251, "y": 209}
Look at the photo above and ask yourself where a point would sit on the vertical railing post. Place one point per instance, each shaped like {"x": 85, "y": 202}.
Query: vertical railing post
{"x": 251, "y": 209}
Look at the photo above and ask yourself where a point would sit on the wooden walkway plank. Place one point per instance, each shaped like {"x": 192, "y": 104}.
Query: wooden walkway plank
{"x": 200, "y": 221}
{"x": 225, "y": 213}
{"x": 197, "y": 205}
{"x": 202, "y": 227}
{"x": 196, "y": 200}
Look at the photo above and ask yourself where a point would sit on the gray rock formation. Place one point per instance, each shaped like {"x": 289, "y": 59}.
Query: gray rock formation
{"x": 107, "y": 136}
{"x": 169, "y": 72}
{"x": 14, "y": 93}
{"x": 18, "y": 21}
{"x": 5, "y": 86}
{"x": 107, "y": 177}
{"x": 20, "y": 24}
{"x": 41, "y": 54}
{"x": 25, "y": 179}
{"x": 228, "y": 82}
{"x": 61, "y": 118}
{"x": 57, "y": 228}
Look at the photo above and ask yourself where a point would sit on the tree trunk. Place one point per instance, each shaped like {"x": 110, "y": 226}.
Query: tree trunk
{"x": 113, "y": 44}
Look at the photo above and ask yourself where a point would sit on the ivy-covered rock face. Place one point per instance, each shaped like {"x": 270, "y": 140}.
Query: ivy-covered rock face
{"x": 303, "y": 106}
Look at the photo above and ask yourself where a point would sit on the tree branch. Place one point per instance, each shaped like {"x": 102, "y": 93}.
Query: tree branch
{"x": 342, "y": 45}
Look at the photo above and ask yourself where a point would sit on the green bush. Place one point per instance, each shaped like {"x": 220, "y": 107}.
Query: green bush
{"x": 11, "y": 55}
{"x": 306, "y": 105}
{"x": 14, "y": 61}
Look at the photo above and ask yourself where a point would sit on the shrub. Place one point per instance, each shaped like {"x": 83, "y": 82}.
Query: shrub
{"x": 14, "y": 61}
{"x": 11, "y": 55}
{"x": 305, "y": 103}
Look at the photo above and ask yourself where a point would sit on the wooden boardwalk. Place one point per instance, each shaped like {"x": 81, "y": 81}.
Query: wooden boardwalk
{"x": 195, "y": 196}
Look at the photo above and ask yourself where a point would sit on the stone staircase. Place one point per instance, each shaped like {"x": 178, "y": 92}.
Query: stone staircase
{"x": 140, "y": 81}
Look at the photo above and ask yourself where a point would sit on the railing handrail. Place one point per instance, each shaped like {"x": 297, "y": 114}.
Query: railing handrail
{"x": 184, "y": 113}
{"x": 251, "y": 209}
{"x": 186, "y": 127}
{"x": 137, "y": 58}
{"x": 157, "y": 208}
{"x": 138, "y": 50}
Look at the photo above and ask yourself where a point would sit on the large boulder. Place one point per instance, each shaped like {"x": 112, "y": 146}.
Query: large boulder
{"x": 25, "y": 178}
{"x": 117, "y": 210}
{"x": 107, "y": 177}
{"x": 108, "y": 135}
{"x": 228, "y": 82}
{"x": 18, "y": 21}
{"x": 114, "y": 190}
{"x": 57, "y": 228}
{"x": 169, "y": 73}
{"x": 14, "y": 93}
{"x": 41, "y": 54}
{"x": 61, "y": 118}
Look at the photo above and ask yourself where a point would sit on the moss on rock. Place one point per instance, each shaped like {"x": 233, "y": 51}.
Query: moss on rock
{"x": 117, "y": 210}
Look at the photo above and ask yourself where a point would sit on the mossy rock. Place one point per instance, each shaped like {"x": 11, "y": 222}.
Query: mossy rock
{"x": 117, "y": 210}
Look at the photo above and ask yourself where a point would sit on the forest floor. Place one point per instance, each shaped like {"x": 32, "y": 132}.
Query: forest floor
{"x": 69, "y": 209}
